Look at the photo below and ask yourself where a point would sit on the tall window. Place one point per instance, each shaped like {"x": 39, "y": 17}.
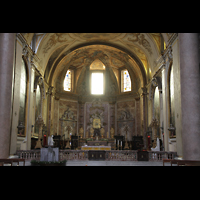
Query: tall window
{"x": 97, "y": 77}
{"x": 125, "y": 81}
{"x": 97, "y": 83}
{"x": 23, "y": 83}
{"x": 68, "y": 81}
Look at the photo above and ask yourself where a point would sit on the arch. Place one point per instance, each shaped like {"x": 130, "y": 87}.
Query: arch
{"x": 105, "y": 61}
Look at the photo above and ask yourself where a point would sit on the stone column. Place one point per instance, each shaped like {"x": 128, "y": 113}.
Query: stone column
{"x": 137, "y": 116}
{"x": 7, "y": 49}
{"x": 49, "y": 93}
{"x": 144, "y": 99}
{"x": 190, "y": 97}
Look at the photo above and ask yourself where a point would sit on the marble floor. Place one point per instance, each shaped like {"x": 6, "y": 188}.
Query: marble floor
{"x": 104, "y": 163}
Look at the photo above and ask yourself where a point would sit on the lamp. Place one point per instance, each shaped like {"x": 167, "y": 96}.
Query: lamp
{"x": 20, "y": 128}
{"x": 172, "y": 129}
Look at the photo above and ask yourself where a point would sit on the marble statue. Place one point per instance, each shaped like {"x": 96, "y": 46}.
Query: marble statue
{"x": 157, "y": 148}
{"x": 50, "y": 140}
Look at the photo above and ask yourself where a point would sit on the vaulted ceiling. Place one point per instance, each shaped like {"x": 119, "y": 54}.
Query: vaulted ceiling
{"x": 58, "y": 49}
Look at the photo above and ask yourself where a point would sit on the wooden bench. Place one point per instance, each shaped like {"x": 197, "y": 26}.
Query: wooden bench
{"x": 12, "y": 160}
{"x": 182, "y": 162}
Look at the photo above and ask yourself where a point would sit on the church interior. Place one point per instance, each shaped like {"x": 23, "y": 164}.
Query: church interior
{"x": 100, "y": 96}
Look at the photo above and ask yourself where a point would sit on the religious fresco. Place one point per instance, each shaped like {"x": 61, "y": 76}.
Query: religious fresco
{"x": 101, "y": 36}
{"x": 63, "y": 106}
{"x": 126, "y": 116}
{"x": 97, "y": 111}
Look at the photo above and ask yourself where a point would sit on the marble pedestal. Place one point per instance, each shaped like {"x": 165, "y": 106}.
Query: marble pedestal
{"x": 49, "y": 154}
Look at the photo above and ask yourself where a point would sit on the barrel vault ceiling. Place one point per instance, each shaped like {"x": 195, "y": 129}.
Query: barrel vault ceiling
{"x": 54, "y": 49}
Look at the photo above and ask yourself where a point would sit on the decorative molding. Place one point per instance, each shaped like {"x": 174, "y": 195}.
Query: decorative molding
{"x": 140, "y": 38}
{"x": 172, "y": 38}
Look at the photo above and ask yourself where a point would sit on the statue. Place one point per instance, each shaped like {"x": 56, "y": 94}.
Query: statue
{"x": 50, "y": 140}
{"x": 112, "y": 132}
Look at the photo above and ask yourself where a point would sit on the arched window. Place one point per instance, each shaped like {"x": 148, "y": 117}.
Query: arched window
{"x": 97, "y": 77}
{"x": 23, "y": 95}
{"x": 68, "y": 81}
{"x": 125, "y": 81}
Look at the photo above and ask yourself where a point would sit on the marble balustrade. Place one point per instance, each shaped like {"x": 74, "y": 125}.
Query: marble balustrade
{"x": 113, "y": 155}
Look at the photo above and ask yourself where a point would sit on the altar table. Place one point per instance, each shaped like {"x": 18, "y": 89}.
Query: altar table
{"x": 108, "y": 148}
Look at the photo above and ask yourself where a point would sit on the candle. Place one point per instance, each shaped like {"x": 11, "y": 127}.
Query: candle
{"x": 118, "y": 142}
{"x": 121, "y": 143}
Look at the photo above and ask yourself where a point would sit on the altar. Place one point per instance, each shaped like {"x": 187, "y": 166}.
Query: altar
{"x": 97, "y": 143}
{"x": 105, "y": 148}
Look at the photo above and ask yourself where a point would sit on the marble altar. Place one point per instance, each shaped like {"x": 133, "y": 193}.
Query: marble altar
{"x": 108, "y": 148}
{"x": 49, "y": 154}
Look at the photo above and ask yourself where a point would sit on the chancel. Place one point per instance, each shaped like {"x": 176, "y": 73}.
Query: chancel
{"x": 100, "y": 96}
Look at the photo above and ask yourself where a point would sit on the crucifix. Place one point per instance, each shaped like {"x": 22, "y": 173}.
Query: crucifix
{"x": 68, "y": 145}
{"x": 68, "y": 129}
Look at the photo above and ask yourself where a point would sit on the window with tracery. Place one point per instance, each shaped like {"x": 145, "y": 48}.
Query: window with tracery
{"x": 125, "y": 81}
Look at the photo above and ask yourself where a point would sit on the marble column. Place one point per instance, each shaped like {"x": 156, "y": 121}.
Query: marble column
{"x": 190, "y": 97}
{"x": 49, "y": 110}
{"x": 144, "y": 99}
{"x": 7, "y": 48}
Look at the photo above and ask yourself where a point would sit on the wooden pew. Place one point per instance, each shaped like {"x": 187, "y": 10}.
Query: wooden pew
{"x": 182, "y": 162}
{"x": 12, "y": 160}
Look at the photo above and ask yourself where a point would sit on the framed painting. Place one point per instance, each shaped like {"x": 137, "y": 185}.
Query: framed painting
{"x": 96, "y": 123}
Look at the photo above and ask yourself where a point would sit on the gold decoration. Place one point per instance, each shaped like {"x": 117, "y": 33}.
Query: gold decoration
{"x": 112, "y": 132}
{"x": 96, "y": 123}
{"x": 91, "y": 132}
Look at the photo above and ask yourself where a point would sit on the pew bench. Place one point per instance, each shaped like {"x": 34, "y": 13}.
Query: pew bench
{"x": 182, "y": 162}
{"x": 12, "y": 160}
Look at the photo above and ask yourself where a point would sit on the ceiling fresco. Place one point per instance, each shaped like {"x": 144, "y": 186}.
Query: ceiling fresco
{"x": 77, "y": 49}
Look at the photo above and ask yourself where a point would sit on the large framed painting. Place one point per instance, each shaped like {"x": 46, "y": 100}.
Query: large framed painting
{"x": 96, "y": 123}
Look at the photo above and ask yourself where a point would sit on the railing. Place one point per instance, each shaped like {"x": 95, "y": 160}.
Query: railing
{"x": 115, "y": 155}
{"x": 121, "y": 155}
{"x": 73, "y": 155}
{"x": 29, "y": 154}
{"x": 160, "y": 155}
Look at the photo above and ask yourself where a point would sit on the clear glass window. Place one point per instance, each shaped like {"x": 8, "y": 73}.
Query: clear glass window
{"x": 97, "y": 83}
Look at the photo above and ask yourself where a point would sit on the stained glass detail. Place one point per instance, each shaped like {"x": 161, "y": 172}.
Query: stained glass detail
{"x": 67, "y": 81}
{"x": 126, "y": 81}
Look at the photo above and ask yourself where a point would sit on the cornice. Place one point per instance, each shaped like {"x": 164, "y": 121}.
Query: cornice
{"x": 27, "y": 51}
